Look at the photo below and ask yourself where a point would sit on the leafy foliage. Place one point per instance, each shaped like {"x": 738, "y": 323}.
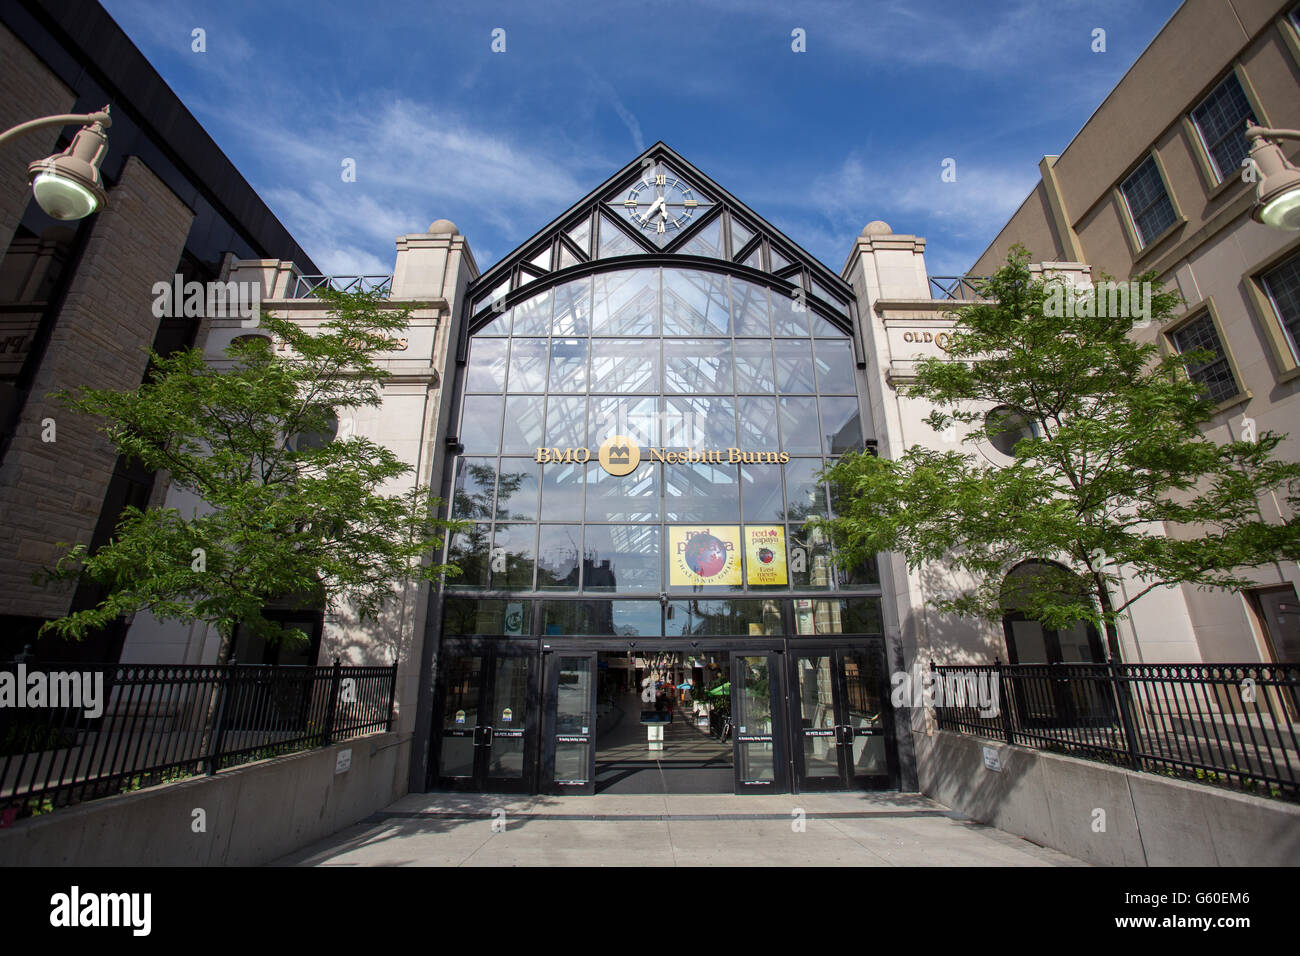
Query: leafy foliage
{"x": 1116, "y": 471}
{"x": 281, "y": 512}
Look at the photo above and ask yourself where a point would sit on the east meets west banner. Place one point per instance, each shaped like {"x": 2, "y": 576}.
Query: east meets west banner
{"x": 765, "y": 555}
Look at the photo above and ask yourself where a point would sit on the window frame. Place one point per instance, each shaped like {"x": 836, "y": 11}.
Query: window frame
{"x": 1139, "y": 248}
{"x": 1215, "y": 181}
{"x": 1286, "y": 359}
{"x": 1168, "y": 346}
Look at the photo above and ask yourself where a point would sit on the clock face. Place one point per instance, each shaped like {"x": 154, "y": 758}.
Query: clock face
{"x": 661, "y": 204}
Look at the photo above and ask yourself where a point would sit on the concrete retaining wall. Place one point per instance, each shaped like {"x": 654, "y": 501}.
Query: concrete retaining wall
{"x": 254, "y": 814}
{"x": 1150, "y": 820}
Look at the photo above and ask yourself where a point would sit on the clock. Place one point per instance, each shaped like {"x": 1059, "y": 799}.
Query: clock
{"x": 661, "y": 204}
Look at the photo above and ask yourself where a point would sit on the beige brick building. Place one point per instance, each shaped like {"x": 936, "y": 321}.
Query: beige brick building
{"x": 1154, "y": 182}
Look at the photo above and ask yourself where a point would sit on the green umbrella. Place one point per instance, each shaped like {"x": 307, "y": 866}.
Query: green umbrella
{"x": 720, "y": 690}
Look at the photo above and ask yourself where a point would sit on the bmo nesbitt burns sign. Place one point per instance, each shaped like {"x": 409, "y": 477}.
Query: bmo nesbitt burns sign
{"x": 620, "y": 455}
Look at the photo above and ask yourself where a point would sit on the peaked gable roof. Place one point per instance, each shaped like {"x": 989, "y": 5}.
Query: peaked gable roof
{"x": 707, "y": 223}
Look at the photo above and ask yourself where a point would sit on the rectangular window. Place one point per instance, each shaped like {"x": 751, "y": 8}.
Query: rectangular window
{"x": 1282, "y": 284}
{"x": 1216, "y": 374}
{"x": 1148, "y": 201}
{"x": 1220, "y": 120}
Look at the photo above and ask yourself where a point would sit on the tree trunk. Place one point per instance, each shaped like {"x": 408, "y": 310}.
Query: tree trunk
{"x": 1112, "y": 632}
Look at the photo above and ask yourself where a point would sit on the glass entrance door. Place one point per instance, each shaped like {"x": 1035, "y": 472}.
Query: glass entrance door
{"x": 569, "y": 761}
{"x": 843, "y": 728}
{"x": 487, "y": 719}
{"x": 755, "y": 723}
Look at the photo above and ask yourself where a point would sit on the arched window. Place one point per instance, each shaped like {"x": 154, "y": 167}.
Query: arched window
{"x": 1006, "y": 426}
{"x": 1028, "y": 640}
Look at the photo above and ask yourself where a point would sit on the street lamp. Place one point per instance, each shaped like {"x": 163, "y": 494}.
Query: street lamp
{"x": 67, "y": 184}
{"x": 1277, "y": 194}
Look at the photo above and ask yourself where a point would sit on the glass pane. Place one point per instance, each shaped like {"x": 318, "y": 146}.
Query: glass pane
{"x": 562, "y": 491}
{"x": 740, "y": 235}
{"x": 509, "y": 717}
{"x": 622, "y": 557}
{"x": 512, "y": 557}
{"x": 558, "y": 550}
{"x": 566, "y": 423}
{"x": 699, "y": 423}
{"x": 533, "y": 316}
{"x": 864, "y": 676}
{"x": 470, "y": 616}
{"x": 624, "y": 365}
{"x": 475, "y": 482}
{"x": 626, "y": 303}
{"x": 747, "y": 618}
{"x": 843, "y": 616}
{"x": 574, "y": 721}
{"x": 755, "y": 259}
{"x": 697, "y": 365}
{"x": 751, "y": 689}
{"x": 567, "y": 258}
{"x": 799, "y": 429}
{"x": 517, "y": 490}
{"x": 469, "y": 552}
{"x": 814, "y": 678}
{"x": 581, "y": 235}
{"x": 614, "y": 242}
{"x": 480, "y": 423}
{"x": 695, "y": 303}
{"x": 601, "y": 618}
{"x": 572, "y": 307}
{"x": 753, "y": 360}
{"x": 761, "y": 492}
{"x": 835, "y": 369}
{"x": 706, "y": 242}
{"x": 636, "y": 418}
{"x": 794, "y": 366}
{"x": 528, "y": 361}
{"x": 701, "y": 492}
{"x": 1030, "y": 642}
{"x": 805, "y": 495}
{"x": 543, "y": 259}
{"x": 523, "y": 426}
{"x": 789, "y": 313}
{"x": 460, "y": 715}
{"x": 809, "y": 561}
{"x": 568, "y": 365}
{"x": 1076, "y": 648}
{"x": 633, "y": 497}
{"x": 841, "y": 425}
{"x": 866, "y": 574}
{"x": 749, "y": 308}
{"x": 758, "y": 431}
{"x": 779, "y": 261}
{"x": 486, "y": 371}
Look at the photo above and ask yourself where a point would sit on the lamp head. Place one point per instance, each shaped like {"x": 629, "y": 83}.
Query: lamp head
{"x": 1277, "y": 194}
{"x": 67, "y": 185}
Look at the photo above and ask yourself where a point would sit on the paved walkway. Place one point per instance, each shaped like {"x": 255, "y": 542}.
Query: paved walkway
{"x": 841, "y": 829}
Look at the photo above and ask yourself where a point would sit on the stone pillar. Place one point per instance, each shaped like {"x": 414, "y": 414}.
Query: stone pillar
{"x": 53, "y": 492}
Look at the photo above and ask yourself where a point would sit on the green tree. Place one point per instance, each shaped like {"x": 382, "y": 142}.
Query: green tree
{"x": 1113, "y": 470}
{"x": 286, "y": 512}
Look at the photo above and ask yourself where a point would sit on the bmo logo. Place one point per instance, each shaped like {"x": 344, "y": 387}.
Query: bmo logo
{"x": 619, "y": 455}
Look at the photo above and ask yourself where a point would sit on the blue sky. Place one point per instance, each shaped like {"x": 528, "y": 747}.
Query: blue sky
{"x": 819, "y": 143}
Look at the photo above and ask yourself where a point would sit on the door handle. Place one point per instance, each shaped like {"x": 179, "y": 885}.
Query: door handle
{"x": 487, "y": 736}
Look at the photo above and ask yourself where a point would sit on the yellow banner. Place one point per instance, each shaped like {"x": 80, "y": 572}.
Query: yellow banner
{"x": 765, "y": 555}
{"x": 704, "y": 555}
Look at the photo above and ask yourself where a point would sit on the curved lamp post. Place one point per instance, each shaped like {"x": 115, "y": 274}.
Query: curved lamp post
{"x": 67, "y": 185}
{"x": 1277, "y": 194}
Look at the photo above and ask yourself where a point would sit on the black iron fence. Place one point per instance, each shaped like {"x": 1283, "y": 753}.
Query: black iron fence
{"x": 1231, "y": 724}
{"x": 70, "y": 733}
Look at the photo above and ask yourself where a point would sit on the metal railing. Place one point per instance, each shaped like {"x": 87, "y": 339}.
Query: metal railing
{"x": 304, "y": 287}
{"x": 956, "y": 287}
{"x": 96, "y": 730}
{"x": 1231, "y": 724}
